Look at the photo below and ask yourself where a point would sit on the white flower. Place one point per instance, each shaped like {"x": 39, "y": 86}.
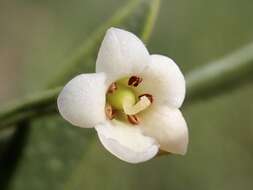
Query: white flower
{"x": 132, "y": 100}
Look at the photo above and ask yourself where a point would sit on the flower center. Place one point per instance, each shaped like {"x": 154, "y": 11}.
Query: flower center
{"x": 122, "y": 101}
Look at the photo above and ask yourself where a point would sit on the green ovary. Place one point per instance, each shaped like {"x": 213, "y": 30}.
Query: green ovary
{"x": 120, "y": 96}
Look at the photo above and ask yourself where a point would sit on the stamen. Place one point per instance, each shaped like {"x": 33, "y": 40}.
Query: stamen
{"x": 149, "y": 96}
{"x": 109, "y": 112}
{"x": 134, "y": 81}
{"x": 133, "y": 119}
{"x": 112, "y": 88}
{"x": 141, "y": 105}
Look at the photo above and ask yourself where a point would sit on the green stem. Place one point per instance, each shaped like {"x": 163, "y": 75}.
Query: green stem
{"x": 29, "y": 107}
{"x": 221, "y": 75}
{"x": 151, "y": 20}
{"x": 82, "y": 59}
{"x": 206, "y": 81}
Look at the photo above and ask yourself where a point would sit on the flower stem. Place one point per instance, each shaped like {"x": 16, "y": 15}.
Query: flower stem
{"x": 221, "y": 75}
{"x": 32, "y": 106}
{"x": 207, "y": 81}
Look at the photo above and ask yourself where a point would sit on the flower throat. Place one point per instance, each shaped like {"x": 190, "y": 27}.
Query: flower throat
{"x": 122, "y": 101}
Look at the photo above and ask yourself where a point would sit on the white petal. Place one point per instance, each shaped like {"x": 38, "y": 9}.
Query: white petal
{"x": 82, "y": 100}
{"x": 121, "y": 54}
{"x": 164, "y": 80}
{"x": 168, "y": 127}
{"x": 126, "y": 142}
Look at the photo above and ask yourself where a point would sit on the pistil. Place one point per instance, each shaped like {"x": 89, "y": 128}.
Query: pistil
{"x": 120, "y": 95}
{"x": 141, "y": 105}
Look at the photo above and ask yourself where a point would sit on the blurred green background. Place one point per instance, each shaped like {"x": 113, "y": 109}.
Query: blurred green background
{"x": 36, "y": 37}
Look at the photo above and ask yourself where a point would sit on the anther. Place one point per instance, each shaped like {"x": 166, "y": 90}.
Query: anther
{"x": 134, "y": 81}
{"x": 112, "y": 88}
{"x": 149, "y": 96}
{"x": 133, "y": 119}
{"x": 109, "y": 112}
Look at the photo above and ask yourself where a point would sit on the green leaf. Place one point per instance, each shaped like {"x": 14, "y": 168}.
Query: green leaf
{"x": 55, "y": 151}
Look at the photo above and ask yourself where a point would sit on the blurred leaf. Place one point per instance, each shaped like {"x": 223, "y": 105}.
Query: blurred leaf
{"x": 55, "y": 150}
{"x": 5, "y": 139}
{"x": 11, "y": 149}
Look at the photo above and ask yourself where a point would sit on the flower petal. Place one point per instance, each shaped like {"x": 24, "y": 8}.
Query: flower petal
{"x": 168, "y": 127}
{"x": 164, "y": 80}
{"x": 126, "y": 142}
{"x": 82, "y": 100}
{"x": 121, "y": 54}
